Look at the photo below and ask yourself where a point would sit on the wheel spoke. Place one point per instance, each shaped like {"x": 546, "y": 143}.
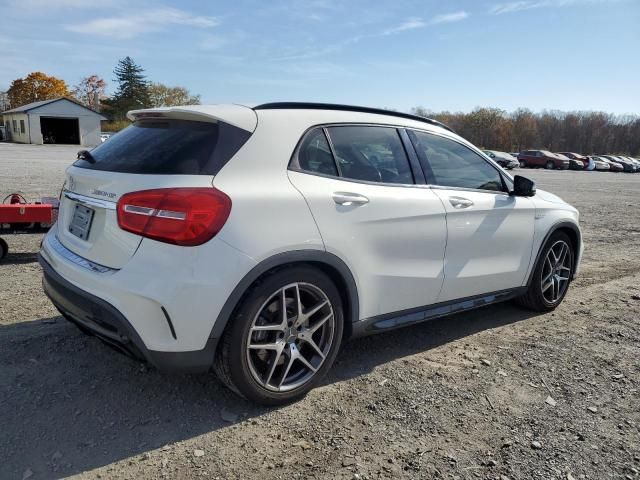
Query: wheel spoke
{"x": 546, "y": 286}
{"x": 306, "y": 363}
{"x": 319, "y": 323}
{"x": 274, "y": 364}
{"x": 286, "y": 370}
{"x": 266, "y": 346}
{"x": 315, "y": 308}
{"x": 309, "y": 341}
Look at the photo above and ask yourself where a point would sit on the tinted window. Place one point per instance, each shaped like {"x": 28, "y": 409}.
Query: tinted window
{"x": 168, "y": 147}
{"x": 374, "y": 154}
{"x": 454, "y": 165}
{"x": 315, "y": 154}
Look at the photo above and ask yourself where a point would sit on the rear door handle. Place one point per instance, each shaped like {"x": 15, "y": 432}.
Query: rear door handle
{"x": 459, "y": 202}
{"x": 347, "y": 198}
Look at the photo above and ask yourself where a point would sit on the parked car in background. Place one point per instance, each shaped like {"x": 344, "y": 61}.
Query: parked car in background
{"x": 590, "y": 164}
{"x": 576, "y": 156}
{"x": 614, "y": 166}
{"x": 573, "y": 164}
{"x": 504, "y": 159}
{"x": 542, "y": 158}
{"x": 600, "y": 163}
{"x": 626, "y": 166}
{"x": 104, "y": 137}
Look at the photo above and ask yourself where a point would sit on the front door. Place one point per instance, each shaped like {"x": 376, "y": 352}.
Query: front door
{"x": 489, "y": 233}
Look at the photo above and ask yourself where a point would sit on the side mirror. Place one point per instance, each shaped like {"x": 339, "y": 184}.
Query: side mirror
{"x": 523, "y": 187}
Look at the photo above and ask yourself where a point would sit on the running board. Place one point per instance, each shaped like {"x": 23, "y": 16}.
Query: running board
{"x": 391, "y": 321}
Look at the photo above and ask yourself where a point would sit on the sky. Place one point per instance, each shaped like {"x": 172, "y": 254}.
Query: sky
{"x": 441, "y": 55}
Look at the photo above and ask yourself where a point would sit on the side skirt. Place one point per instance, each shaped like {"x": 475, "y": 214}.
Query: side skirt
{"x": 391, "y": 321}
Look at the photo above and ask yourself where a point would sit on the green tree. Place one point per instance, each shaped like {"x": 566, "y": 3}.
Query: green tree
{"x": 133, "y": 89}
{"x": 164, "y": 96}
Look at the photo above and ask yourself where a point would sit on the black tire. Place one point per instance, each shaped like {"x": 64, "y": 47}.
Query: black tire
{"x": 523, "y": 164}
{"x": 549, "y": 165}
{"x": 231, "y": 363}
{"x": 534, "y": 299}
{"x": 4, "y": 249}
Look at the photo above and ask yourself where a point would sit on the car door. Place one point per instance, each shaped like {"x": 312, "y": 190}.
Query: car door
{"x": 489, "y": 232}
{"x": 390, "y": 231}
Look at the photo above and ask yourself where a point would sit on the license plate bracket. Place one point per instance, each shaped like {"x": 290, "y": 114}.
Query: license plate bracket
{"x": 80, "y": 225}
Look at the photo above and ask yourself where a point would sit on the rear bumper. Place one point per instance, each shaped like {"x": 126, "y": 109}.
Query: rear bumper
{"x": 96, "y": 316}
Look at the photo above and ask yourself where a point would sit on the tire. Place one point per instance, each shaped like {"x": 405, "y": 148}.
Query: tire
{"x": 549, "y": 165}
{"x": 541, "y": 300}
{"x": 523, "y": 164}
{"x": 292, "y": 366}
{"x": 4, "y": 249}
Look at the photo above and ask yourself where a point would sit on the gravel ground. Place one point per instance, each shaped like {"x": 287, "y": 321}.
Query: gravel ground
{"x": 496, "y": 393}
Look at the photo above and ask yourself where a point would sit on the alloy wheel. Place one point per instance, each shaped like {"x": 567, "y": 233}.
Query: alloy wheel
{"x": 556, "y": 271}
{"x": 290, "y": 337}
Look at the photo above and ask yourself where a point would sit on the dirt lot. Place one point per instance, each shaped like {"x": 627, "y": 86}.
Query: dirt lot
{"x": 461, "y": 397}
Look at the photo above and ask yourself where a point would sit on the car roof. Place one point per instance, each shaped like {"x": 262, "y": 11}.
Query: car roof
{"x": 347, "y": 108}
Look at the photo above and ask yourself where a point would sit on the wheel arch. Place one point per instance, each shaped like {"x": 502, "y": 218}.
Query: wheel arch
{"x": 326, "y": 262}
{"x": 574, "y": 234}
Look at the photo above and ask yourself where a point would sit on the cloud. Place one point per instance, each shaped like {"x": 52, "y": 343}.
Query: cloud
{"x": 409, "y": 24}
{"x": 416, "y": 22}
{"x": 134, "y": 24}
{"x": 35, "y": 6}
{"x": 449, "y": 17}
{"x": 516, "y": 6}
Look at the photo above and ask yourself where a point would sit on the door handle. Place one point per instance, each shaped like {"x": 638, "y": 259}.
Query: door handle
{"x": 459, "y": 202}
{"x": 346, "y": 198}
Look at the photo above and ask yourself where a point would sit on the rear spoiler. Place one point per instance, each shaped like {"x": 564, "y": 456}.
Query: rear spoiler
{"x": 236, "y": 115}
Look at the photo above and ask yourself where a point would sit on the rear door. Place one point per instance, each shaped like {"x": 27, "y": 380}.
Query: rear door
{"x": 390, "y": 231}
{"x": 490, "y": 234}
{"x": 150, "y": 154}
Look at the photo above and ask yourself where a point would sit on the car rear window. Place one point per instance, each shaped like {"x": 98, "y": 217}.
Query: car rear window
{"x": 168, "y": 147}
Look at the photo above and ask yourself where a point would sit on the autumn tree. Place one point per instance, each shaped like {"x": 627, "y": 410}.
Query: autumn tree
{"x": 133, "y": 89}
{"x": 164, "y": 96}
{"x": 90, "y": 91}
{"x": 35, "y": 87}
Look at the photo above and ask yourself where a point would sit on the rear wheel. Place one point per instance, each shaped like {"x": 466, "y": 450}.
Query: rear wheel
{"x": 551, "y": 276}
{"x": 283, "y": 338}
{"x": 549, "y": 165}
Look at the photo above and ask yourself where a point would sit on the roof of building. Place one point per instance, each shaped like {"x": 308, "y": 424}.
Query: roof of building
{"x": 31, "y": 106}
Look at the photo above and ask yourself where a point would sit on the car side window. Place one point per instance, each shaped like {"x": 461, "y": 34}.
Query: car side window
{"x": 454, "y": 165}
{"x": 369, "y": 153}
{"x": 315, "y": 154}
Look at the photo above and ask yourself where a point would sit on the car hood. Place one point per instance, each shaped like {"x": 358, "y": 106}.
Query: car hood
{"x": 549, "y": 197}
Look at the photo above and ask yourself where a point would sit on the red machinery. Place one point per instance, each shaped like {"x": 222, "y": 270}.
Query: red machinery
{"x": 18, "y": 216}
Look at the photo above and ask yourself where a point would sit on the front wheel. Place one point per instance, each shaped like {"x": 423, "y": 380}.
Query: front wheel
{"x": 549, "y": 165}
{"x": 523, "y": 164}
{"x": 284, "y": 337}
{"x": 551, "y": 276}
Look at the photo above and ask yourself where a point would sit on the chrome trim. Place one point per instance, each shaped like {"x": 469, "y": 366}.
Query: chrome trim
{"x": 56, "y": 246}
{"x": 90, "y": 202}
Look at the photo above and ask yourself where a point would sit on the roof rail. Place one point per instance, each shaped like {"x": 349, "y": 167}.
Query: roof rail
{"x": 347, "y": 108}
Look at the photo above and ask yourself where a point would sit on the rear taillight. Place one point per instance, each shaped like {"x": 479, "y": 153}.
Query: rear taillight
{"x": 181, "y": 216}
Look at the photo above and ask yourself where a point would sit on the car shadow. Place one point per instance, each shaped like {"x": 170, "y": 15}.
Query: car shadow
{"x": 19, "y": 258}
{"x": 70, "y": 404}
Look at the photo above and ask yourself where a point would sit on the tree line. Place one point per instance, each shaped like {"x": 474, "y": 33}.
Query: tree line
{"x": 583, "y": 132}
{"x": 134, "y": 91}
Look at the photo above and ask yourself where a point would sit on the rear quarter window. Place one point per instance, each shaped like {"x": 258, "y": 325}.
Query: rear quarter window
{"x": 168, "y": 147}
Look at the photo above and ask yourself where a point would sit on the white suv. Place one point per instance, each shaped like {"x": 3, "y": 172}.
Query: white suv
{"x": 257, "y": 240}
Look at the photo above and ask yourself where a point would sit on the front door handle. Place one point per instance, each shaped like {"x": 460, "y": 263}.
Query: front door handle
{"x": 346, "y": 198}
{"x": 459, "y": 202}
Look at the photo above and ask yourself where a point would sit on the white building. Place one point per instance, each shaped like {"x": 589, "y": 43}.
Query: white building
{"x": 59, "y": 120}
